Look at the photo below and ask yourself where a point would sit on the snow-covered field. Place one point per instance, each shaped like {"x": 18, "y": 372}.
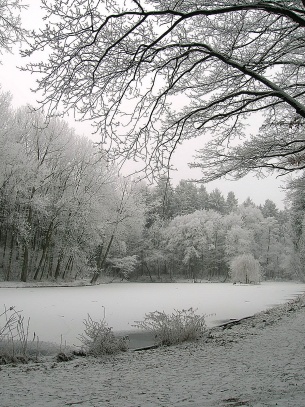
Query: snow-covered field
{"x": 57, "y": 313}
{"x": 259, "y": 362}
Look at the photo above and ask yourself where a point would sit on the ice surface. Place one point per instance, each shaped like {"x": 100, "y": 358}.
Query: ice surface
{"x": 57, "y": 313}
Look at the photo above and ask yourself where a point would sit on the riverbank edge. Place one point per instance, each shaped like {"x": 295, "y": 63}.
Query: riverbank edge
{"x": 236, "y": 329}
{"x": 86, "y": 283}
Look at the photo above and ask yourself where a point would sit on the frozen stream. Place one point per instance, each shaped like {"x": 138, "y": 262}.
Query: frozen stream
{"x": 58, "y": 312}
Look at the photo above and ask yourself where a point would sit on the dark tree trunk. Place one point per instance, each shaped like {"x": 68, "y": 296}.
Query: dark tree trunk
{"x": 25, "y": 263}
{"x": 58, "y": 265}
{"x": 4, "y": 248}
{"x": 44, "y": 251}
{"x": 68, "y": 266}
{"x": 149, "y": 272}
{"x": 8, "y": 273}
{"x": 102, "y": 262}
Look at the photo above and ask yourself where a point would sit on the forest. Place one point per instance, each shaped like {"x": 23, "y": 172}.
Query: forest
{"x": 67, "y": 214}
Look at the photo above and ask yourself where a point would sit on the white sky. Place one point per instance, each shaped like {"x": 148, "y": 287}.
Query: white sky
{"x": 19, "y": 84}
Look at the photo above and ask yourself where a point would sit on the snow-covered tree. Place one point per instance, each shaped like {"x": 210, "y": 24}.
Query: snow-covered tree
{"x": 267, "y": 239}
{"x": 123, "y": 227}
{"x": 11, "y": 30}
{"x": 269, "y": 209}
{"x": 197, "y": 243}
{"x": 124, "y": 266}
{"x": 239, "y": 240}
{"x": 245, "y": 269}
{"x": 185, "y": 198}
{"x": 169, "y": 71}
{"x": 203, "y": 197}
{"x": 217, "y": 201}
{"x": 296, "y": 200}
{"x": 159, "y": 201}
{"x": 59, "y": 200}
{"x": 231, "y": 202}
{"x": 185, "y": 241}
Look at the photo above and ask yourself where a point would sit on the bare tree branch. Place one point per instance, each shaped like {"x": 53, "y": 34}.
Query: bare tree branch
{"x": 152, "y": 76}
{"x": 11, "y": 31}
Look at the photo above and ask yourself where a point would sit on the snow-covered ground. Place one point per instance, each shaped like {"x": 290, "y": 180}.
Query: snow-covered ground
{"x": 259, "y": 362}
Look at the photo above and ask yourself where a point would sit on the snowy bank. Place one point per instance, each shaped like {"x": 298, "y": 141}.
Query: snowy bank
{"x": 256, "y": 362}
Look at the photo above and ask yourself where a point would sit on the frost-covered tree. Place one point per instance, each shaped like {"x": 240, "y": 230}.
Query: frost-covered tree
{"x": 185, "y": 198}
{"x": 160, "y": 203}
{"x": 217, "y": 201}
{"x": 154, "y": 257}
{"x": 296, "y": 200}
{"x": 123, "y": 227}
{"x": 266, "y": 239}
{"x": 203, "y": 197}
{"x": 252, "y": 222}
{"x": 11, "y": 30}
{"x": 124, "y": 266}
{"x": 196, "y": 243}
{"x": 239, "y": 240}
{"x": 269, "y": 209}
{"x": 156, "y": 72}
{"x": 276, "y": 245}
{"x": 231, "y": 202}
{"x": 245, "y": 269}
{"x": 185, "y": 240}
{"x": 60, "y": 202}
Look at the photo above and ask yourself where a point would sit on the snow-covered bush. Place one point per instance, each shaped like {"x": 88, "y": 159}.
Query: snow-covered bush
{"x": 245, "y": 269}
{"x": 98, "y": 339}
{"x": 180, "y": 326}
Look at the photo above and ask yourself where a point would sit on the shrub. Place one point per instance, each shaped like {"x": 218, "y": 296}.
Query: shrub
{"x": 245, "y": 269}
{"x": 98, "y": 339}
{"x": 64, "y": 357}
{"x": 14, "y": 334}
{"x": 180, "y": 326}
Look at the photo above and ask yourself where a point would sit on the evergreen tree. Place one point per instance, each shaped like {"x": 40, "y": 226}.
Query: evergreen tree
{"x": 269, "y": 209}
{"x": 231, "y": 202}
{"x": 217, "y": 201}
{"x": 186, "y": 198}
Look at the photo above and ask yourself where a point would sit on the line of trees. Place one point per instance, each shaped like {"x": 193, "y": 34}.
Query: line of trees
{"x": 199, "y": 234}
{"x": 62, "y": 209}
{"x": 65, "y": 213}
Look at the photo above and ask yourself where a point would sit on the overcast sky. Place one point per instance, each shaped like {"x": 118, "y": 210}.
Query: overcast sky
{"x": 19, "y": 84}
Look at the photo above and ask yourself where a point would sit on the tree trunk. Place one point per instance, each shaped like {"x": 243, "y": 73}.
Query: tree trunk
{"x": 42, "y": 258}
{"x": 4, "y": 248}
{"x": 44, "y": 265}
{"x": 25, "y": 263}
{"x": 8, "y": 273}
{"x": 149, "y": 273}
{"x": 58, "y": 265}
{"x": 99, "y": 259}
{"x": 68, "y": 265}
{"x": 268, "y": 252}
{"x": 44, "y": 251}
{"x": 50, "y": 266}
{"x": 102, "y": 262}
